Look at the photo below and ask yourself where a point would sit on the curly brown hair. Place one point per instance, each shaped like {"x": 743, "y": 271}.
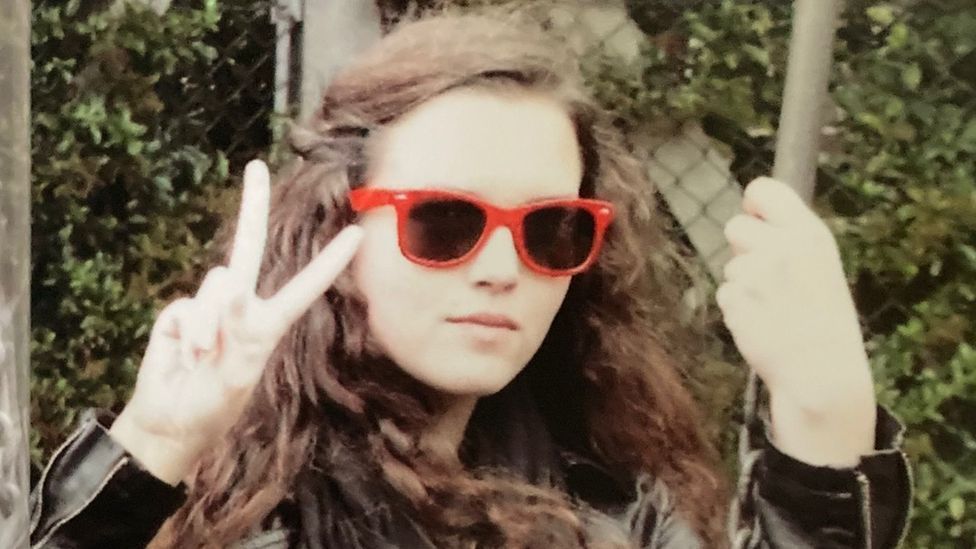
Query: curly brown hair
{"x": 607, "y": 380}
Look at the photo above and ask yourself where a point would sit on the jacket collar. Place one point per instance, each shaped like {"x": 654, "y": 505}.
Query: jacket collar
{"x": 508, "y": 431}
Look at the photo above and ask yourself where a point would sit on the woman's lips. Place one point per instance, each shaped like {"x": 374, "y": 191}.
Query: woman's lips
{"x": 490, "y": 320}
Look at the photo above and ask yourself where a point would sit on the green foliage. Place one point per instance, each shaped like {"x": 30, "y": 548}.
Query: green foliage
{"x": 906, "y": 160}
{"x": 128, "y": 185}
{"x": 897, "y": 186}
{"x": 682, "y": 75}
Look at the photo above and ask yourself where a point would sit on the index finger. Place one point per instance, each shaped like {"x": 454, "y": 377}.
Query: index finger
{"x": 252, "y": 224}
{"x": 292, "y": 300}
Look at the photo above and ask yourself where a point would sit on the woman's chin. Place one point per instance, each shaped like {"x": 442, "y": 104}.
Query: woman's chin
{"x": 454, "y": 369}
{"x": 472, "y": 382}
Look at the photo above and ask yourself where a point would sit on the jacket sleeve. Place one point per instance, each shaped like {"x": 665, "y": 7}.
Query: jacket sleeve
{"x": 94, "y": 494}
{"x": 786, "y": 503}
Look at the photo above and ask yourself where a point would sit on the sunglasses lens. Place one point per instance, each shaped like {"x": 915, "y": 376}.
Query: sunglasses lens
{"x": 559, "y": 237}
{"x": 443, "y": 229}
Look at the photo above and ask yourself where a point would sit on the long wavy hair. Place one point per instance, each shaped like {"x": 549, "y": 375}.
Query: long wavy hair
{"x": 607, "y": 380}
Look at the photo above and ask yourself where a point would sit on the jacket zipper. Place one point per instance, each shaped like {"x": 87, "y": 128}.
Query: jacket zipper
{"x": 864, "y": 485}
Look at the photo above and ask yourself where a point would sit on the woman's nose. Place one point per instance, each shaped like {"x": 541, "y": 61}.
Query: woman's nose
{"x": 496, "y": 265}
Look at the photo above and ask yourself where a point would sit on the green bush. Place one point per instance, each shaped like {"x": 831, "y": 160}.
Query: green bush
{"x": 130, "y": 177}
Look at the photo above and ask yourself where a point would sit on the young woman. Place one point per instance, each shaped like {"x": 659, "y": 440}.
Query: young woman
{"x": 499, "y": 365}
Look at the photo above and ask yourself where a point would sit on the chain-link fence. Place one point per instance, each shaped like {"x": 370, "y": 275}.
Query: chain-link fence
{"x": 698, "y": 87}
{"x": 895, "y": 184}
{"x": 234, "y": 100}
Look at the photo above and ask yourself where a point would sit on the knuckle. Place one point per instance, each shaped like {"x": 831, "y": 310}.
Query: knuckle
{"x": 237, "y": 303}
{"x": 731, "y": 224}
{"x": 733, "y": 227}
{"x": 722, "y": 296}
{"x": 729, "y": 270}
{"x": 249, "y": 326}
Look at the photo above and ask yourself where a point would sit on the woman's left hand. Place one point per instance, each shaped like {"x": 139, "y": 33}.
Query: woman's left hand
{"x": 786, "y": 302}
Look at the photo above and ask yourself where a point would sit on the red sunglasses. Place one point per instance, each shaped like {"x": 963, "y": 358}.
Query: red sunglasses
{"x": 440, "y": 228}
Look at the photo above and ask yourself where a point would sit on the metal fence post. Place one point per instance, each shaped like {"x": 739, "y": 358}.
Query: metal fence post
{"x": 797, "y": 150}
{"x": 334, "y": 31}
{"x": 287, "y": 18}
{"x": 805, "y": 94}
{"x": 14, "y": 269}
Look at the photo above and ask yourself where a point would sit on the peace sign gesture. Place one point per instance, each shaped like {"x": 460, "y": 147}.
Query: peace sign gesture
{"x": 207, "y": 353}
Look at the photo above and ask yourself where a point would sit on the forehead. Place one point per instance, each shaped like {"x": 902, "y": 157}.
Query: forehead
{"x": 508, "y": 147}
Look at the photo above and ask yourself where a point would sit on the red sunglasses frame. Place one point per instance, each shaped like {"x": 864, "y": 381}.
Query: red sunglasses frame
{"x": 363, "y": 199}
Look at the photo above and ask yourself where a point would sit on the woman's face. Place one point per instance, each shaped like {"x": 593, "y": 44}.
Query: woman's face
{"x": 508, "y": 150}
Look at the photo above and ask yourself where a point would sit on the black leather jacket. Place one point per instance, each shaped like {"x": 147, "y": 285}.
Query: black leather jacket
{"x": 93, "y": 494}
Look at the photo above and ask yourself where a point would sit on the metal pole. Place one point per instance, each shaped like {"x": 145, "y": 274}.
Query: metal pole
{"x": 797, "y": 149}
{"x": 805, "y": 95}
{"x": 14, "y": 269}
{"x": 334, "y": 32}
{"x": 286, "y": 16}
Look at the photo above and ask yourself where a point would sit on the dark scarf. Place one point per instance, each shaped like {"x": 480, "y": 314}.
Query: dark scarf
{"x": 351, "y": 507}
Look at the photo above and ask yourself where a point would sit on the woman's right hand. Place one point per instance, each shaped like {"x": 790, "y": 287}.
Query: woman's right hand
{"x": 207, "y": 353}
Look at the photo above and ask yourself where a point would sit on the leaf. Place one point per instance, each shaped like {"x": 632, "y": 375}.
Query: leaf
{"x": 969, "y": 254}
{"x": 911, "y": 76}
{"x": 898, "y": 36}
{"x": 957, "y": 507}
{"x": 967, "y": 138}
{"x": 757, "y": 54}
{"x": 882, "y": 14}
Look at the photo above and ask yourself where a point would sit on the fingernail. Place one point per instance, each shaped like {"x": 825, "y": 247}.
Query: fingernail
{"x": 255, "y": 164}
